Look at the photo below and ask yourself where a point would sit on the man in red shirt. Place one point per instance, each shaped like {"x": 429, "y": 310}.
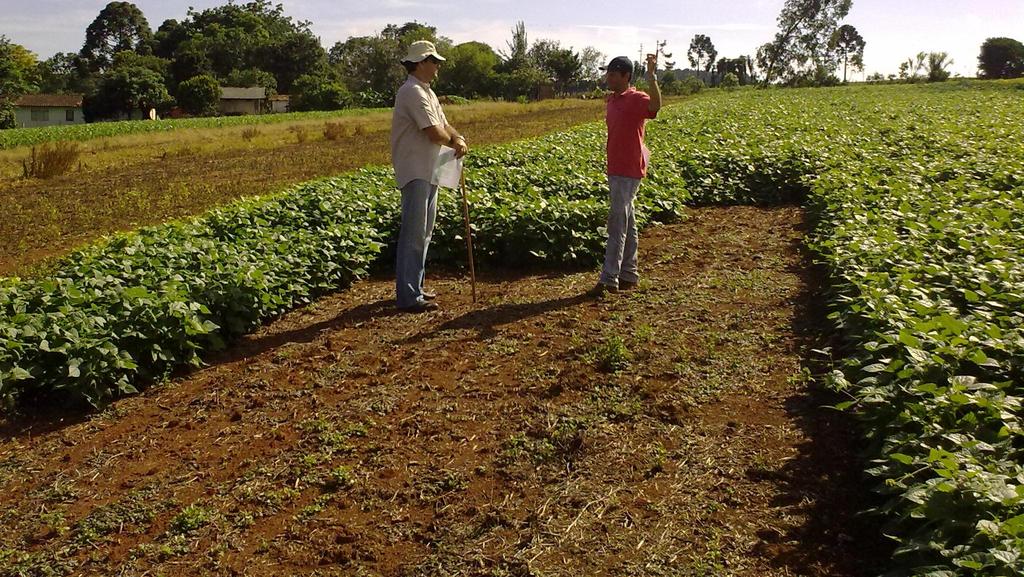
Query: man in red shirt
{"x": 627, "y": 111}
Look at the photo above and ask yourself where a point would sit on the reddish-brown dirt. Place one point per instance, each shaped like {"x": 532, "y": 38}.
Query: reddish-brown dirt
{"x": 675, "y": 429}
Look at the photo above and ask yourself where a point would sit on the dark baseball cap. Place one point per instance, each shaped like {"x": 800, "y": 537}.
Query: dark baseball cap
{"x": 619, "y": 64}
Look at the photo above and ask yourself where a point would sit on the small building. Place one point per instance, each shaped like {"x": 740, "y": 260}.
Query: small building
{"x": 34, "y": 110}
{"x": 280, "y": 103}
{"x": 235, "y": 101}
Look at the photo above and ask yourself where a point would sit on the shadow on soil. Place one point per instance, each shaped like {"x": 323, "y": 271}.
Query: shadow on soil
{"x": 47, "y": 415}
{"x": 827, "y": 475}
{"x": 487, "y": 321}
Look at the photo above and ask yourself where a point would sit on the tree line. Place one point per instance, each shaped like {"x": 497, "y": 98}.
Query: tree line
{"x": 124, "y": 65}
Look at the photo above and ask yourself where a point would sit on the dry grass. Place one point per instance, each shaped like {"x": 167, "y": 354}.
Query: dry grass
{"x": 51, "y": 160}
{"x": 301, "y": 136}
{"x": 335, "y": 131}
{"x": 140, "y": 180}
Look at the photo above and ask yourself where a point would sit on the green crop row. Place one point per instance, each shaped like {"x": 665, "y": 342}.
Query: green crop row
{"x": 917, "y": 195}
{"x": 128, "y": 311}
{"x": 15, "y": 137}
{"x": 918, "y": 199}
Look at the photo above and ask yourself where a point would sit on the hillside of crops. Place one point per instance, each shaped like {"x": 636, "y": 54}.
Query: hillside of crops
{"x": 916, "y": 193}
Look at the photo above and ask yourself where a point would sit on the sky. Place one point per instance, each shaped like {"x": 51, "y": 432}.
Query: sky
{"x": 893, "y": 29}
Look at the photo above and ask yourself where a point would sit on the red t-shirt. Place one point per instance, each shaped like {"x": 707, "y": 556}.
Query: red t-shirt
{"x": 626, "y": 115}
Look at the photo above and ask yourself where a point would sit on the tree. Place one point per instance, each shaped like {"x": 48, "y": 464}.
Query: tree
{"x": 1001, "y": 58}
{"x": 372, "y": 63}
{"x": 318, "y": 93}
{"x": 120, "y": 27}
{"x": 519, "y": 75}
{"x": 123, "y": 90}
{"x": 566, "y": 67}
{"x": 702, "y": 53}
{"x": 252, "y": 77}
{"x": 738, "y": 67}
{"x": 368, "y": 63}
{"x": 168, "y": 37}
{"x": 911, "y": 68}
{"x": 7, "y": 117}
{"x": 256, "y": 34}
{"x": 849, "y": 45}
{"x": 561, "y": 65}
{"x": 189, "y": 60}
{"x": 730, "y": 81}
{"x": 63, "y": 73}
{"x": 126, "y": 59}
{"x": 469, "y": 71}
{"x": 19, "y": 70}
{"x": 518, "y": 54}
{"x": 937, "y": 64}
{"x": 591, "y": 60}
{"x": 294, "y": 55}
{"x": 519, "y": 84}
{"x": 800, "y": 48}
{"x": 19, "y": 73}
{"x": 200, "y": 95}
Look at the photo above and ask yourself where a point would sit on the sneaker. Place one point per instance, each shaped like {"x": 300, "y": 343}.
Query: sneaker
{"x": 601, "y": 289}
{"x": 625, "y": 285}
{"x": 419, "y": 307}
{"x": 428, "y": 295}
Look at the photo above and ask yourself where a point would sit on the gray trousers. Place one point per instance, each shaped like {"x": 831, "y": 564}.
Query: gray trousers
{"x": 620, "y": 256}
{"x": 419, "y": 210}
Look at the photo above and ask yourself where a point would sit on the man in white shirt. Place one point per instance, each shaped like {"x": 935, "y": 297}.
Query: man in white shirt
{"x": 419, "y": 129}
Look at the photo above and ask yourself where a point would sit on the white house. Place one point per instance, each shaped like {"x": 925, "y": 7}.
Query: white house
{"x": 280, "y": 103}
{"x": 48, "y": 110}
{"x": 236, "y": 101}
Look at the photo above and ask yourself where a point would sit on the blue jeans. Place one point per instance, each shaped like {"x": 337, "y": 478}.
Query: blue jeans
{"x": 419, "y": 211}
{"x": 620, "y": 262}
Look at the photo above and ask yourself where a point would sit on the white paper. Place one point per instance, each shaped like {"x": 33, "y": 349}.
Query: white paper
{"x": 448, "y": 170}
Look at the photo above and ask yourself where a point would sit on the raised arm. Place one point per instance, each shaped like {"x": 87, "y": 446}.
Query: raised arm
{"x": 652, "y": 83}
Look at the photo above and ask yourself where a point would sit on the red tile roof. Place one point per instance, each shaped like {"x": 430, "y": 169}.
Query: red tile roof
{"x": 50, "y": 101}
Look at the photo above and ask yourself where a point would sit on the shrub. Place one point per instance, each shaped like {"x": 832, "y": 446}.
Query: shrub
{"x": 692, "y": 85}
{"x": 372, "y": 99}
{"x": 7, "y": 119}
{"x": 335, "y": 131}
{"x": 300, "y": 133}
{"x": 51, "y": 160}
{"x": 200, "y": 95}
{"x": 319, "y": 93}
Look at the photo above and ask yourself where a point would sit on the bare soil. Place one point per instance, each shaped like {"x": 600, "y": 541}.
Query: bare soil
{"x": 676, "y": 429}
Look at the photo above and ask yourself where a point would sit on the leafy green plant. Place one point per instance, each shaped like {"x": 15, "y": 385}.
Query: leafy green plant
{"x": 189, "y": 519}
{"x": 612, "y": 355}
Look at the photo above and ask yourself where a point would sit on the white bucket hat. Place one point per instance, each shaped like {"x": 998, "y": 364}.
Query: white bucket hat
{"x": 419, "y": 50}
